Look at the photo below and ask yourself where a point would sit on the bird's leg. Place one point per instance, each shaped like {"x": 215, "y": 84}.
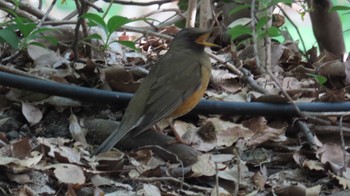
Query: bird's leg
{"x": 177, "y": 136}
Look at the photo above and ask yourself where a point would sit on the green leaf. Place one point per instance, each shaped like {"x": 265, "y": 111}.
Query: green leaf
{"x": 273, "y": 32}
{"x": 93, "y": 36}
{"x": 262, "y": 22}
{"x": 37, "y": 44}
{"x": 288, "y": 2}
{"x": 128, "y": 44}
{"x": 36, "y": 33}
{"x": 339, "y": 8}
{"x": 9, "y": 37}
{"x": 116, "y": 22}
{"x": 320, "y": 79}
{"x": 25, "y": 28}
{"x": 239, "y": 8}
{"x": 239, "y": 30}
{"x": 51, "y": 39}
{"x": 96, "y": 20}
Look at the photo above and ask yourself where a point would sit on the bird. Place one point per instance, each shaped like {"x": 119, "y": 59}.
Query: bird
{"x": 174, "y": 86}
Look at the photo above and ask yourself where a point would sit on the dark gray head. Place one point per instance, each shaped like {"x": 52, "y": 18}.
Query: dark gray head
{"x": 191, "y": 38}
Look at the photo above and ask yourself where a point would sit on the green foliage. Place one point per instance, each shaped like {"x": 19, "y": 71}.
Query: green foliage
{"x": 260, "y": 27}
{"x": 339, "y": 8}
{"x": 183, "y": 4}
{"x": 320, "y": 79}
{"x": 239, "y": 8}
{"x": 238, "y": 31}
{"x": 27, "y": 33}
{"x": 112, "y": 25}
{"x": 8, "y": 36}
{"x": 275, "y": 2}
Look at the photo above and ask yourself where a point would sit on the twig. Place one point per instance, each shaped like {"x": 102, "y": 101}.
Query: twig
{"x": 296, "y": 28}
{"x": 307, "y": 133}
{"x": 146, "y": 32}
{"x": 228, "y": 65}
{"x": 342, "y": 142}
{"x": 58, "y": 23}
{"x": 250, "y": 80}
{"x": 31, "y": 10}
{"x": 192, "y": 11}
{"x": 168, "y": 152}
{"x": 98, "y": 9}
{"x": 82, "y": 9}
{"x": 140, "y": 3}
{"x": 71, "y": 15}
{"x": 216, "y": 179}
{"x": 19, "y": 72}
{"x": 107, "y": 10}
{"x": 46, "y": 14}
{"x": 164, "y": 10}
{"x": 235, "y": 152}
{"x": 11, "y": 57}
{"x": 205, "y": 14}
{"x": 4, "y": 6}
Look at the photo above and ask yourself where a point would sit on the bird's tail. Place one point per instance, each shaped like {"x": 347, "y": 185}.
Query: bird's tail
{"x": 110, "y": 142}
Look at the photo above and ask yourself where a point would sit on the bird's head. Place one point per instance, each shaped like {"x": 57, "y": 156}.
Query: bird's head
{"x": 192, "y": 38}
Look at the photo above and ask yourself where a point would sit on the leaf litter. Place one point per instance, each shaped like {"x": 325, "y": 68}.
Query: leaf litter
{"x": 258, "y": 154}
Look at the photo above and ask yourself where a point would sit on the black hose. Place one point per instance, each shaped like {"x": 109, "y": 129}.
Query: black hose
{"x": 204, "y": 107}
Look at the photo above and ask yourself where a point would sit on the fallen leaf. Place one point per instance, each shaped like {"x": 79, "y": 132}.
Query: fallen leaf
{"x": 204, "y": 166}
{"x": 31, "y": 113}
{"x": 65, "y": 172}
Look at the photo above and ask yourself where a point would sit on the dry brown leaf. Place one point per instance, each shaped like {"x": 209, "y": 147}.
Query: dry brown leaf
{"x": 26, "y": 191}
{"x": 31, "y": 113}
{"x": 232, "y": 174}
{"x": 149, "y": 190}
{"x": 202, "y": 139}
{"x": 277, "y": 50}
{"x": 110, "y": 160}
{"x": 331, "y": 152}
{"x": 204, "y": 166}
{"x": 65, "y": 154}
{"x": 259, "y": 180}
{"x": 70, "y": 191}
{"x": 78, "y": 132}
{"x": 21, "y": 149}
{"x": 228, "y": 132}
{"x": 295, "y": 189}
{"x": 222, "y": 79}
{"x": 185, "y": 130}
{"x": 255, "y": 124}
{"x": 145, "y": 164}
{"x": 302, "y": 161}
{"x": 313, "y": 165}
{"x": 345, "y": 183}
{"x": 313, "y": 191}
{"x": 61, "y": 102}
{"x": 120, "y": 80}
{"x": 98, "y": 180}
{"x": 221, "y": 191}
{"x": 27, "y": 162}
{"x": 264, "y": 134}
{"x": 65, "y": 172}
{"x": 44, "y": 57}
{"x": 19, "y": 178}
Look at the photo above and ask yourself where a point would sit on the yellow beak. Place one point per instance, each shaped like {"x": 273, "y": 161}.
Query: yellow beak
{"x": 203, "y": 40}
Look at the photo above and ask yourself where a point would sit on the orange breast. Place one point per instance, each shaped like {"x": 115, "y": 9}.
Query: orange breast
{"x": 193, "y": 100}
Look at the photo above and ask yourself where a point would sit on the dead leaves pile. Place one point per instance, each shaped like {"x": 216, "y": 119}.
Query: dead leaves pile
{"x": 236, "y": 154}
